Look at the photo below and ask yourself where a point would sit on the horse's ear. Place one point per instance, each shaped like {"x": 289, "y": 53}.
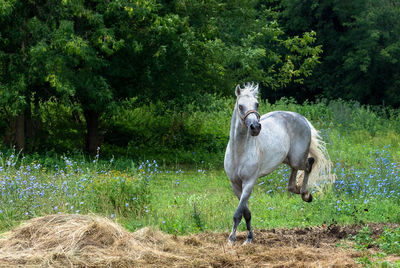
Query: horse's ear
{"x": 255, "y": 91}
{"x": 237, "y": 90}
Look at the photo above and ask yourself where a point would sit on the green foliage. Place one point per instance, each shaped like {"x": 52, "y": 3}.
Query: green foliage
{"x": 389, "y": 241}
{"x": 160, "y": 131}
{"x": 375, "y": 260}
{"x": 197, "y": 218}
{"x": 121, "y": 194}
{"x": 199, "y": 131}
{"x": 61, "y": 127}
{"x": 90, "y": 56}
{"x": 363, "y": 239}
{"x": 360, "y": 41}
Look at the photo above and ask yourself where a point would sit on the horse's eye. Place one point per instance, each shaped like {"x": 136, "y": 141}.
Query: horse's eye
{"x": 240, "y": 107}
{"x": 257, "y": 105}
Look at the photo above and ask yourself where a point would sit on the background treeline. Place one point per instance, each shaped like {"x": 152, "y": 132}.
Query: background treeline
{"x": 361, "y": 48}
{"x": 141, "y": 77}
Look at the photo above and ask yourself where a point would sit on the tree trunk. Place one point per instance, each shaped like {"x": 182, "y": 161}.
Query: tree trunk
{"x": 92, "y": 140}
{"x": 20, "y": 132}
{"x": 15, "y": 134}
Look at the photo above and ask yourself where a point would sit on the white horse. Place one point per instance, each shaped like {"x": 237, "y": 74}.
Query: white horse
{"x": 258, "y": 145}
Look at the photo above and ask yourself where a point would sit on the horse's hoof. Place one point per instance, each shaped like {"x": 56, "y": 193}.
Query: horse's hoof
{"x": 248, "y": 241}
{"x": 307, "y": 197}
{"x": 231, "y": 239}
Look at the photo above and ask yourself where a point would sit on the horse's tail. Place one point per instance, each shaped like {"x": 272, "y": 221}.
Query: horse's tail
{"x": 321, "y": 169}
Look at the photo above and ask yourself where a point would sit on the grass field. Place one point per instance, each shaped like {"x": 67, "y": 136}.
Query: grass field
{"x": 186, "y": 199}
{"x": 192, "y": 200}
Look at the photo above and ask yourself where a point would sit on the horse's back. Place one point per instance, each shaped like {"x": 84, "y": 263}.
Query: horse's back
{"x": 292, "y": 121}
{"x": 296, "y": 127}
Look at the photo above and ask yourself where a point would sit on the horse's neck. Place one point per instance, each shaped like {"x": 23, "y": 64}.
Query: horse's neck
{"x": 240, "y": 141}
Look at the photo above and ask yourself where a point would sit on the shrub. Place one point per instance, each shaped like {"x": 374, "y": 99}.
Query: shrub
{"x": 194, "y": 130}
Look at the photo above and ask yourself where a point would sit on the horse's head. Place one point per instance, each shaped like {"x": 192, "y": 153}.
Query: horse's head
{"x": 247, "y": 107}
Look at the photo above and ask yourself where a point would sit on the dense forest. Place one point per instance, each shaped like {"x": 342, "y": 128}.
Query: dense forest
{"x": 74, "y": 73}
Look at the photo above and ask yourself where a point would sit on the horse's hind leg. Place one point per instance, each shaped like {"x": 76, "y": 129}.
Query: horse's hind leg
{"x": 305, "y": 195}
{"x": 292, "y": 186}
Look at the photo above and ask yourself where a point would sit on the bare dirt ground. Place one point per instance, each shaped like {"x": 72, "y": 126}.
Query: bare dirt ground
{"x": 91, "y": 241}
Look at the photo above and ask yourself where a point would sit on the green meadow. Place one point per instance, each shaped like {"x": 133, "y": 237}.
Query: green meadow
{"x": 185, "y": 189}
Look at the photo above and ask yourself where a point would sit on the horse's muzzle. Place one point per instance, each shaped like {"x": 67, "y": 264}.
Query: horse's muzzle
{"x": 255, "y": 129}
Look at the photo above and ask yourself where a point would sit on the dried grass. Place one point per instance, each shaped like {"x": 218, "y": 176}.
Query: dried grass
{"x": 92, "y": 241}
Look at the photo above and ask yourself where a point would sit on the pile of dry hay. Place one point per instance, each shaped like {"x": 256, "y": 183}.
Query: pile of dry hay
{"x": 92, "y": 241}
{"x": 80, "y": 240}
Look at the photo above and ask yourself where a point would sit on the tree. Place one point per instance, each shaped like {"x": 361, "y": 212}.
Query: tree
{"x": 18, "y": 82}
{"x": 95, "y": 53}
{"x": 73, "y": 55}
{"x": 371, "y": 65}
{"x": 360, "y": 40}
{"x": 238, "y": 41}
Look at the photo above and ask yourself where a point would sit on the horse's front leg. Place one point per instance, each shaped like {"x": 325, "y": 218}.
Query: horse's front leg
{"x": 243, "y": 210}
{"x": 247, "y": 217}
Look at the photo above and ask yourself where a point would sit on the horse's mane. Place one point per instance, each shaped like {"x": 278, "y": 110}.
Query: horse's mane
{"x": 249, "y": 89}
